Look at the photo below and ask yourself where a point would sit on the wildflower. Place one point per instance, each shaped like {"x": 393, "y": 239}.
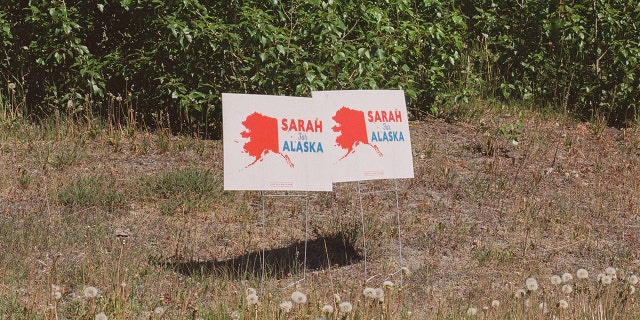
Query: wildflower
{"x": 495, "y": 303}
{"x": 520, "y": 293}
{"x": 387, "y": 284}
{"x": 298, "y": 297}
{"x": 378, "y": 294}
{"x": 327, "y": 308}
{"x": 566, "y": 277}
{"x": 251, "y": 291}
{"x": 582, "y": 274}
{"x": 101, "y": 316}
{"x": 286, "y": 306}
{"x": 345, "y": 307}
{"x": 159, "y": 310}
{"x": 235, "y": 315}
{"x": 567, "y": 289}
{"x": 532, "y": 284}
{"x": 252, "y": 299}
{"x": 555, "y": 280}
{"x": 633, "y": 279}
{"x": 611, "y": 271}
{"x": 563, "y": 304}
{"x": 90, "y": 292}
{"x": 369, "y": 292}
{"x": 12, "y": 86}
{"x": 606, "y": 279}
{"x": 599, "y": 277}
{"x": 472, "y": 311}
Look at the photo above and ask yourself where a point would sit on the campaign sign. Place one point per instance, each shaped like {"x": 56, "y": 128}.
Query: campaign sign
{"x": 274, "y": 143}
{"x": 368, "y": 134}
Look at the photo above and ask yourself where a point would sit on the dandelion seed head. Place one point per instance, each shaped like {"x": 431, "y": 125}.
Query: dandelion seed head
{"x": 298, "y": 297}
{"x": 582, "y": 274}
{"x": 252, "y": 299}
{"x": 327, "y": 308}
{"x": 606, "y": 279}
{"x": 57, "y": 295}
{"x": 286, "y": 306}
{"x": 599, "y": 277}
{"x": 388, "y": 284}
{"x": 611, "y": 271}
{"x": 555, "y": 280}
{"x": 567, "y": 289}
{"x": 90, "y": 292}
{"x": 235, "y": 315}
{"x": 566, "y": 277}
{"x": 520, "y": 293}
{"x": 369, "y": 292}
{"x": 101, "y": 316}
{"x": 159, "y": 310}
{"x": 532, "y": 284}
{"x": 632, "y": 289}
{"x": 633, "y": 279}
{"x": 472, "y": 311}
{"x": 12, "y": 86}
{"x": 345, "y": 307}
{"x": 251, "y": 291}
{"x": 563, "y": 304}
{"x": 495, "y": 303}
{"x": 378, "y": 294}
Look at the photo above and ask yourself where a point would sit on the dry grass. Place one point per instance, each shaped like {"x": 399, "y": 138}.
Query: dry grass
{"x": 143, "y": 218}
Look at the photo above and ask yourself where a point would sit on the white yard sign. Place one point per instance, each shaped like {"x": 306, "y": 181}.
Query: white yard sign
{"x": 368, "y": 134}
{"x": 274, "y": 143}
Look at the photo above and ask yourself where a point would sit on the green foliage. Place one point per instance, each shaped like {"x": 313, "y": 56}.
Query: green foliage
{"x": 89, "y": 191}
{"x": 177, "y": 57}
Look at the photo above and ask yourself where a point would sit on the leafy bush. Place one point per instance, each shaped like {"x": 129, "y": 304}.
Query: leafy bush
{"x": 174, "y": 58}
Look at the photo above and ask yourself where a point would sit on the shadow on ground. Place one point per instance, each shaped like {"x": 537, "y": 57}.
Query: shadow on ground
{"x": 322, "y": 253}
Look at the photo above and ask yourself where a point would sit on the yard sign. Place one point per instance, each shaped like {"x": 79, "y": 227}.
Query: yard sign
{"x": 274, "y": 143}
{"x": 369, "y": 134}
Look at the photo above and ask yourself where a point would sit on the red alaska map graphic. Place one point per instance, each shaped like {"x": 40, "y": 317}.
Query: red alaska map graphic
{"x": 353, "y": 130}
{"x": 262, "y": 132}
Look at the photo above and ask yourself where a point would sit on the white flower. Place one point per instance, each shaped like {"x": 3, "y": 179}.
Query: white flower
{"x": 520, "y": 293}
{"x": 563, "y": 304}
{"x": 532, "y": 284}
{"x": 298, "y": 297}
{"x": 90, "y": 292}
{"x": 57, "y": 295}
{"x": 101, "y": 316}
{"x": 12, "y": 86}
{"x": 387, "y": 284}
{"x": 369, "y": 292}
{"x": 566, "y": 277}
{"x": 286, "y": 306}
{"x": 159, "y": 310}
{"x": 599, "y": 277}
{"x": 345, "y": 307}
{"x": 472, "y": 311}
{"x": 251, "y": 291}
{"x": 606, "y": 279}
{"x": 633, "y": 279}
{"x": 378, "y": 294}
{"x": 567, "y": 289}
{"x": 495, "y": 303}
{"x": 611, "y": 271}
{"x": 327, "y": 308}
{"x": 235, "y": 315}
{"x": 252, "y": 299}
{"x": 555, "y": 279}
{"x": 582, "y": 274}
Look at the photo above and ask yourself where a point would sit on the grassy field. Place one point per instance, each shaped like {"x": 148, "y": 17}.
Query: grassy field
{"x": 102, "y": 222}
